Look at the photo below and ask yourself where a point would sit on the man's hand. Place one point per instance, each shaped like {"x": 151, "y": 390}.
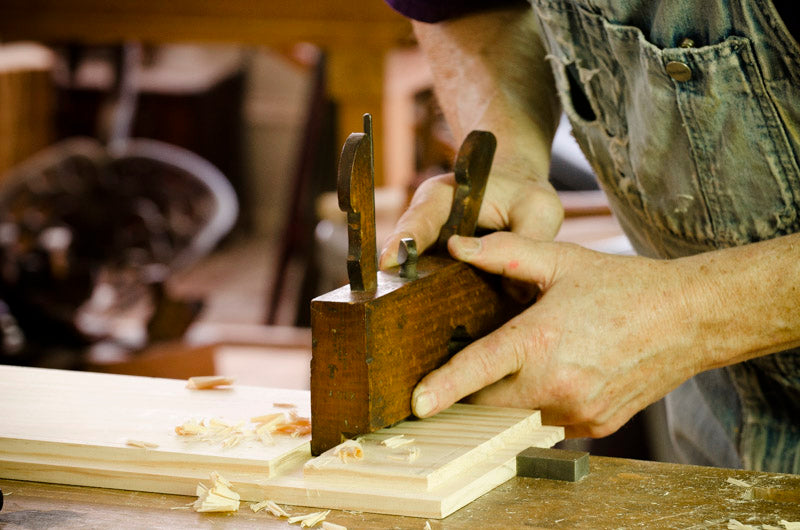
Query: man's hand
{"x": 490, "y": 73}
{"x": 525, "y": 206}
{"x": 608, "y": 336}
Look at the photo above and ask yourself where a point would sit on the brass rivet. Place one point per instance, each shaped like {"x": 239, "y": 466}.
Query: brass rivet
{"x": 679, "y": 71}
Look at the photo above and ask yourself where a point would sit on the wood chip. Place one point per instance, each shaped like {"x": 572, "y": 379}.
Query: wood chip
{"x": 296, "y": 426}
{"x": 733, "y": 524}
{"x": 737, "y": 482}
{"x": 258, "y": 428}
{"x": 310, "y": 519}
{"x": 790, "y": 525}
{"x": 284, "y": 405}
{"x": 397, "y": 441}
{"x": 271, "y": 507}
{"x": 332, "y": 526}
{"x": 269, "y": 419}
{"x": 349, "y": 451}
{"x": 206, "y": 382}
{"x": 408, "y": 456}
{"x": 190, "y": 428}
{"x": 142, "y": 444}
{"x": 220, "y": 497}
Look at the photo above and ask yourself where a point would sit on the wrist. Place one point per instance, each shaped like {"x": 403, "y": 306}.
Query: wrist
{"x": 742, "y": 301}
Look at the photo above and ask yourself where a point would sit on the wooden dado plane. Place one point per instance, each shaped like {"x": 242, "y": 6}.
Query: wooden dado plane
{"x": 373, "y": 340}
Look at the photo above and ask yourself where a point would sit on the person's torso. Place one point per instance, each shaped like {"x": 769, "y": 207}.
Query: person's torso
{"x": 689, "y": 112}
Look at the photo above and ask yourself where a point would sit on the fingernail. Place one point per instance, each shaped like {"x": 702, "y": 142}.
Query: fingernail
{"x": 466, "y": 246}
{"x": 424, "y": 404}
{"x": 386, "y": 260}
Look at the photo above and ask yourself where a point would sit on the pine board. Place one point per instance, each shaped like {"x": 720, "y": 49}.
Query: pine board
{"x": 72, "y": 428}
{"x": 455, "y": 439}
{"x": 87, "y": 418}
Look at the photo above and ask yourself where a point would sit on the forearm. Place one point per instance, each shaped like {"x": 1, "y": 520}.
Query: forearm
{"x": 490, "y": 73}
{"x": 745, "y": 301}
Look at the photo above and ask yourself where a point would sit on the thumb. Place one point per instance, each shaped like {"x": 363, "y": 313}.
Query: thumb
{"x": 509, "y": 255}
{"x": 480, "y": 364}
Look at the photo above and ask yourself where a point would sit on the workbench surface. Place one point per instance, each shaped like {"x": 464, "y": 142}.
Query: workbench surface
{"x": 618, "y": 493}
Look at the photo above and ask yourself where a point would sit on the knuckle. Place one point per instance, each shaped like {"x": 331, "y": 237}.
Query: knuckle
{"x": 435, "y": 186}
{"x": 484, "y": 361}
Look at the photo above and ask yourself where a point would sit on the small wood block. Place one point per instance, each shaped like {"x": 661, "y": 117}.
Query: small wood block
{"x": 554, "y": 464}
{"x": 371, "y": 349}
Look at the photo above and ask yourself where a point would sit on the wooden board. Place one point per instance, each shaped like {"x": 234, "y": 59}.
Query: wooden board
{"x": 86, "y": 419}
{"x": 456, "y": 439}
{"x": 72, "y": 428}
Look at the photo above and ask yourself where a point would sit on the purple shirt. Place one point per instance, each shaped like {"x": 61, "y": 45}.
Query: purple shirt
{"x": 436, "y": 11}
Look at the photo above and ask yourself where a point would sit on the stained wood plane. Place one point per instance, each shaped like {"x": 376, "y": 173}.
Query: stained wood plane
{"x": 77, "y": 428}
{"x": 374, "y": 339}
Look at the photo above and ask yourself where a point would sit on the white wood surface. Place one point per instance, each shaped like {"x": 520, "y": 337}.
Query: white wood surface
{"x": 456, "y": 439}
{"x": 73, "y": 428}
{"x": 86, "y": 419}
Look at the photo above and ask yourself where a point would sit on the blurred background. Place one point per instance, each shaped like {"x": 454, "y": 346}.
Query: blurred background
{"x": 167, "y": 177}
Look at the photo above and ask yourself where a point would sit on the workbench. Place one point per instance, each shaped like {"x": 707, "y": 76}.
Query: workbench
{"x": 618, "y": 493}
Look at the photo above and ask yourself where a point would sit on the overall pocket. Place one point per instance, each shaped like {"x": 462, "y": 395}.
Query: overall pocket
{"x": 686, "y": 140}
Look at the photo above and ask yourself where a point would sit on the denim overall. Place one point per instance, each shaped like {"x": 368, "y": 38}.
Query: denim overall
{"x": 689, "y": 112}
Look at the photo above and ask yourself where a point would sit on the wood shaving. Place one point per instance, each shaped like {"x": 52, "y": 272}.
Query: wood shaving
{"x": 332, "y": 526}
{"x": 284, "y": 405}
{"x": 259, "y": 429}
{"x": 737, "y": 482}
{"x": 349, "y": 451}
{"x": 142, "y": 444}
{"x": 220, "y": 497}
{"x": 427, "y": 526}
{"x": 271, "y": 507}
{"x": 190, "y": 428}
{"x": 310, "y": 519}
{"x": 397, "y": 441}
{"x": 733, "y": 524}
{"x": 269, "y": 419}
{"x": 296, "y": 426}
{"x": 408, "y": 456}
{"x": 207, "y": 382}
